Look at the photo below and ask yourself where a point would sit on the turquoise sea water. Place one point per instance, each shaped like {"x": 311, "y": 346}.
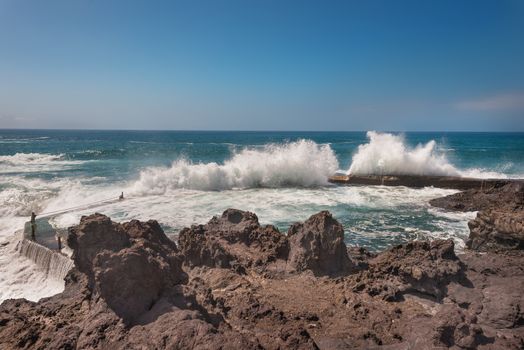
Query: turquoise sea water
{"x": 181, "y": 178}
{"x": 184, "y": 177}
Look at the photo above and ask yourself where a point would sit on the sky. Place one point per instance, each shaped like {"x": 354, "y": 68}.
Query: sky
{"x": 325, "y": 65}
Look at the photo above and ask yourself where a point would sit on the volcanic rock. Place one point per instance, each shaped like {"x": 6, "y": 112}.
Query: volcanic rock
{"x": 423, "y": 267}
{"x": 499, "y": 224}
{"x": 234, "y": 240}
{"x": 131, "y": 275}
{"x": 234, "y": 284}
{"x": 496, "y": 230}
{"x": 505, "y": 196}
{"x": 318, "y": 245}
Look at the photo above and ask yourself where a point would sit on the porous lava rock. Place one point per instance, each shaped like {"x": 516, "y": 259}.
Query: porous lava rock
{"x": 235, "y": 284}
{"x": 418, "y": 266}
{"x": 234, "y": 240}
{"x": 318, "y": 245}
{"x": 506, "y": 196}
{"x": 499, "y": 224}
{"x": 496, "y": 230}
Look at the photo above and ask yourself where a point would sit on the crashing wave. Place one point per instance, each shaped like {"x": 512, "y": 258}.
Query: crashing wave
{"x": 389, "y": 154}
{"x": 302, "y": 163}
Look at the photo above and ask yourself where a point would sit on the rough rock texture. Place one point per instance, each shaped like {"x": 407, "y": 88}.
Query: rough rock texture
{"x": 234, "y": 284}
{"x": 499, "y": 224}
{"x": 236, "y": 239}
{"x": 506, "y": 196}
{"x": 318, "y": 245}
{"x": 422, "y": 267}
{"x": 497, "y": 230}
{"x": 139, "y": 266}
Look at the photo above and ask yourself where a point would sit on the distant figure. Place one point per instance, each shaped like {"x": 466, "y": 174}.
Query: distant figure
{"x": 121, "y": 196}
{"x": 33, "y": 225}
{"x": 59, "y": 242}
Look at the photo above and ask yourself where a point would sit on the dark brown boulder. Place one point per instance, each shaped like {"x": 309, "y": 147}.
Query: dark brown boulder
{"x": 318, "y": 245}
{"x": 150, "y": 233}
{"x": 94, "y": 234}
{"x": 129, "y": 266}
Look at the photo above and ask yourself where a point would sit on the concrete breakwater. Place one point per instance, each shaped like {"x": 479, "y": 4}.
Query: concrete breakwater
{"x": 55, "y": 264}
{"x": 44, "y": 250}
{"x": 418, "y": 181}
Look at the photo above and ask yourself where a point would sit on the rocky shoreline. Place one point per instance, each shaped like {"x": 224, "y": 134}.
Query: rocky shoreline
{"x": 235, "y": 284}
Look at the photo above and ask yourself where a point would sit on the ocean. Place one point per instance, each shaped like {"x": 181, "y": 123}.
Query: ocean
{"x": 185, "y": 177}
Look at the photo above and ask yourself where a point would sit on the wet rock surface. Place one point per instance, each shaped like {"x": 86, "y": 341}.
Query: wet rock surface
{"x": 235, "y": 284}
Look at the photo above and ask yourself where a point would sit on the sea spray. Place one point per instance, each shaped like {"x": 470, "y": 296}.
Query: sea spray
{"x": 388, "y": 154}
{"x": 70, "y": 168}
{"x": 302, "y": 163}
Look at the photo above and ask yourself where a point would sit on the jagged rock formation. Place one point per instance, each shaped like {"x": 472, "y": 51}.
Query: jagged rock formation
{"x": 496, "y": 230}
{"x": 499, "y": 224}
{"x": 318, "y": 245}
{"x": 235, "y": 239}
{"x": 234, "y": 284}
{"x": 422, "y": 267}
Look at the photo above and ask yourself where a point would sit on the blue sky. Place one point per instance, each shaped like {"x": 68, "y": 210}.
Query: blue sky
{"x": 262, "y": 65}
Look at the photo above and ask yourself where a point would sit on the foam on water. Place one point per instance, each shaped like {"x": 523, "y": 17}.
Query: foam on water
{"x": 30, "y": 158}
{"x": 34, "y": 162}
{"x": 53, "y": 264}
{"x": 281, "y": 183}
{"x": 302, "y": 163}
{"x": 389, "y": 154}
{"x": 20, "y": 277}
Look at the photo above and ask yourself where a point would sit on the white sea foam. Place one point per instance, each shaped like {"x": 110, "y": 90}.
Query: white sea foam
{"x": 34, "y": 162}
{"x": 281, "y": 183}
{"x": 389, "y": 154}
{"x": 21, "y": 277}
{"x": 303, "y": 164}
{"x": 30, "y": 158}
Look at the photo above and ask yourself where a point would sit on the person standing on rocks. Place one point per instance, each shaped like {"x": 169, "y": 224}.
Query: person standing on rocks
{"x": 33, "y": 225}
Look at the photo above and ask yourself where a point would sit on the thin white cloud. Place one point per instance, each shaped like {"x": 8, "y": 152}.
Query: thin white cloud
{"x": 504, "y": 102}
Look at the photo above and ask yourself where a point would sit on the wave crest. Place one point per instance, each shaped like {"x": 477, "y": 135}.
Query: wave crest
{"x": 30, "y": 158}
{"x": 389, "y": 154}
{"x": 302, "y": 164}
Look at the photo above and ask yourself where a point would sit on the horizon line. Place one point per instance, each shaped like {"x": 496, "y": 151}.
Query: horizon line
{"x": 262, "y": 130}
